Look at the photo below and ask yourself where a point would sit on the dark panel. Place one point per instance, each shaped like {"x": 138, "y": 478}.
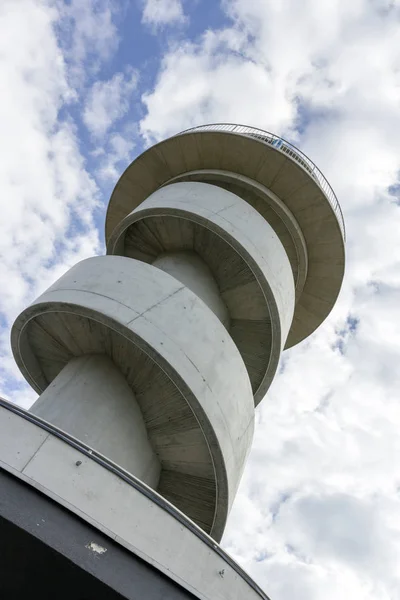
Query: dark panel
{"x": 45, "y": 553}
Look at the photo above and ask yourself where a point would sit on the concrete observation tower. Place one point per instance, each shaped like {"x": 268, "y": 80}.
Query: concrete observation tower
{"x": 225, "y": 245}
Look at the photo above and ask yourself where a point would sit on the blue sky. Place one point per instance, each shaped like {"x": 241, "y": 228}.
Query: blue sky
{"x": 86, "y": 86}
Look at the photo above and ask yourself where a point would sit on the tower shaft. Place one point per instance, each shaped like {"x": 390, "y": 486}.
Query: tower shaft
{"x": 225, "y": 245}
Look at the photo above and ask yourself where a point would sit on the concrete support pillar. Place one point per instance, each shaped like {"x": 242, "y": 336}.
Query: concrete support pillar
{"x": 193, "y": 272}
{"x": 91, "y": 400}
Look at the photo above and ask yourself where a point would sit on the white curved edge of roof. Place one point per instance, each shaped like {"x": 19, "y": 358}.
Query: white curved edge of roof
{"x": 279, "y": 144}
{"x": 46, "y": 458}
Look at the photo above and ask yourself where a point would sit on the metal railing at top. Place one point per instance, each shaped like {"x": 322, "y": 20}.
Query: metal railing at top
{"x": 287, "y": 148}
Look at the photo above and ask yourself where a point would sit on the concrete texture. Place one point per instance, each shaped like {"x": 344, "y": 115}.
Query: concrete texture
{"x": 274, "y": 211}
{"x": 193, "y": 272}
{"x": 222, "y": 251}
{"x": 48, "y": 552}
{"x": 246, "y": 257}
{"x": 186, "y": 373}
{"x": 135, "y": 517}
{"x": 91, "y": 400}
{"x": 256, "y": 160}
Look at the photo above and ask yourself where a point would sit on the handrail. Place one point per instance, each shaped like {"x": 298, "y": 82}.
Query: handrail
{"x": 137, "y": 484}
{"x": 287, "y": 148}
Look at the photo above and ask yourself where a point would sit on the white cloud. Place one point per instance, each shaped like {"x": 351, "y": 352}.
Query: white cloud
{"x": 335, "y": 546}
{"x": 48, "y": 197}
{"x": 159, "y": 13}
{"x": 118, "y": 154}
{"x": 213, "y": 82}
{"x": 108, "y": 101}
{"x": 338, "y": 526}
{"x": 317, "y": 512}
{"x": 87, "y": 34}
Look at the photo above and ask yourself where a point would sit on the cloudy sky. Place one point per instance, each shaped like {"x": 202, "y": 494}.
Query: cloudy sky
{"x": 86, "y": 85}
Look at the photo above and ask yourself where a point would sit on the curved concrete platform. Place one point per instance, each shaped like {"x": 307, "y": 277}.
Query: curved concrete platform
{"x": 190, "y": 381}
{"x": 192, "y": 271}
{"x": 244, "y": 254}
{"x": 288, "y": 179}
{"x": 274, "y": 211}
{"x": 130, "y": 514}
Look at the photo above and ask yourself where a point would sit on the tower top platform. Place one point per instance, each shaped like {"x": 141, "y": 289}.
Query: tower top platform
{"x": 272, "y": 175}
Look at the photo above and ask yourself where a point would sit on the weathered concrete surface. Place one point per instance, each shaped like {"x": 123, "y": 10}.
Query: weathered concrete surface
{"x": 193, "y": 272}
{"x": 274, "y": 211}
{"x": 186, "y": 373}
{"x": 246, "y": 156}
{"x": 91, "y": 400}
{"x": 124, "y": 513}
{"x": 242, "y": 250}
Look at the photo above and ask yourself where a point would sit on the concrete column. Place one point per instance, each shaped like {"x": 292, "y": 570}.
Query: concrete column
{"x": 193, "y": 272}
{"x": 91, "y": 400}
